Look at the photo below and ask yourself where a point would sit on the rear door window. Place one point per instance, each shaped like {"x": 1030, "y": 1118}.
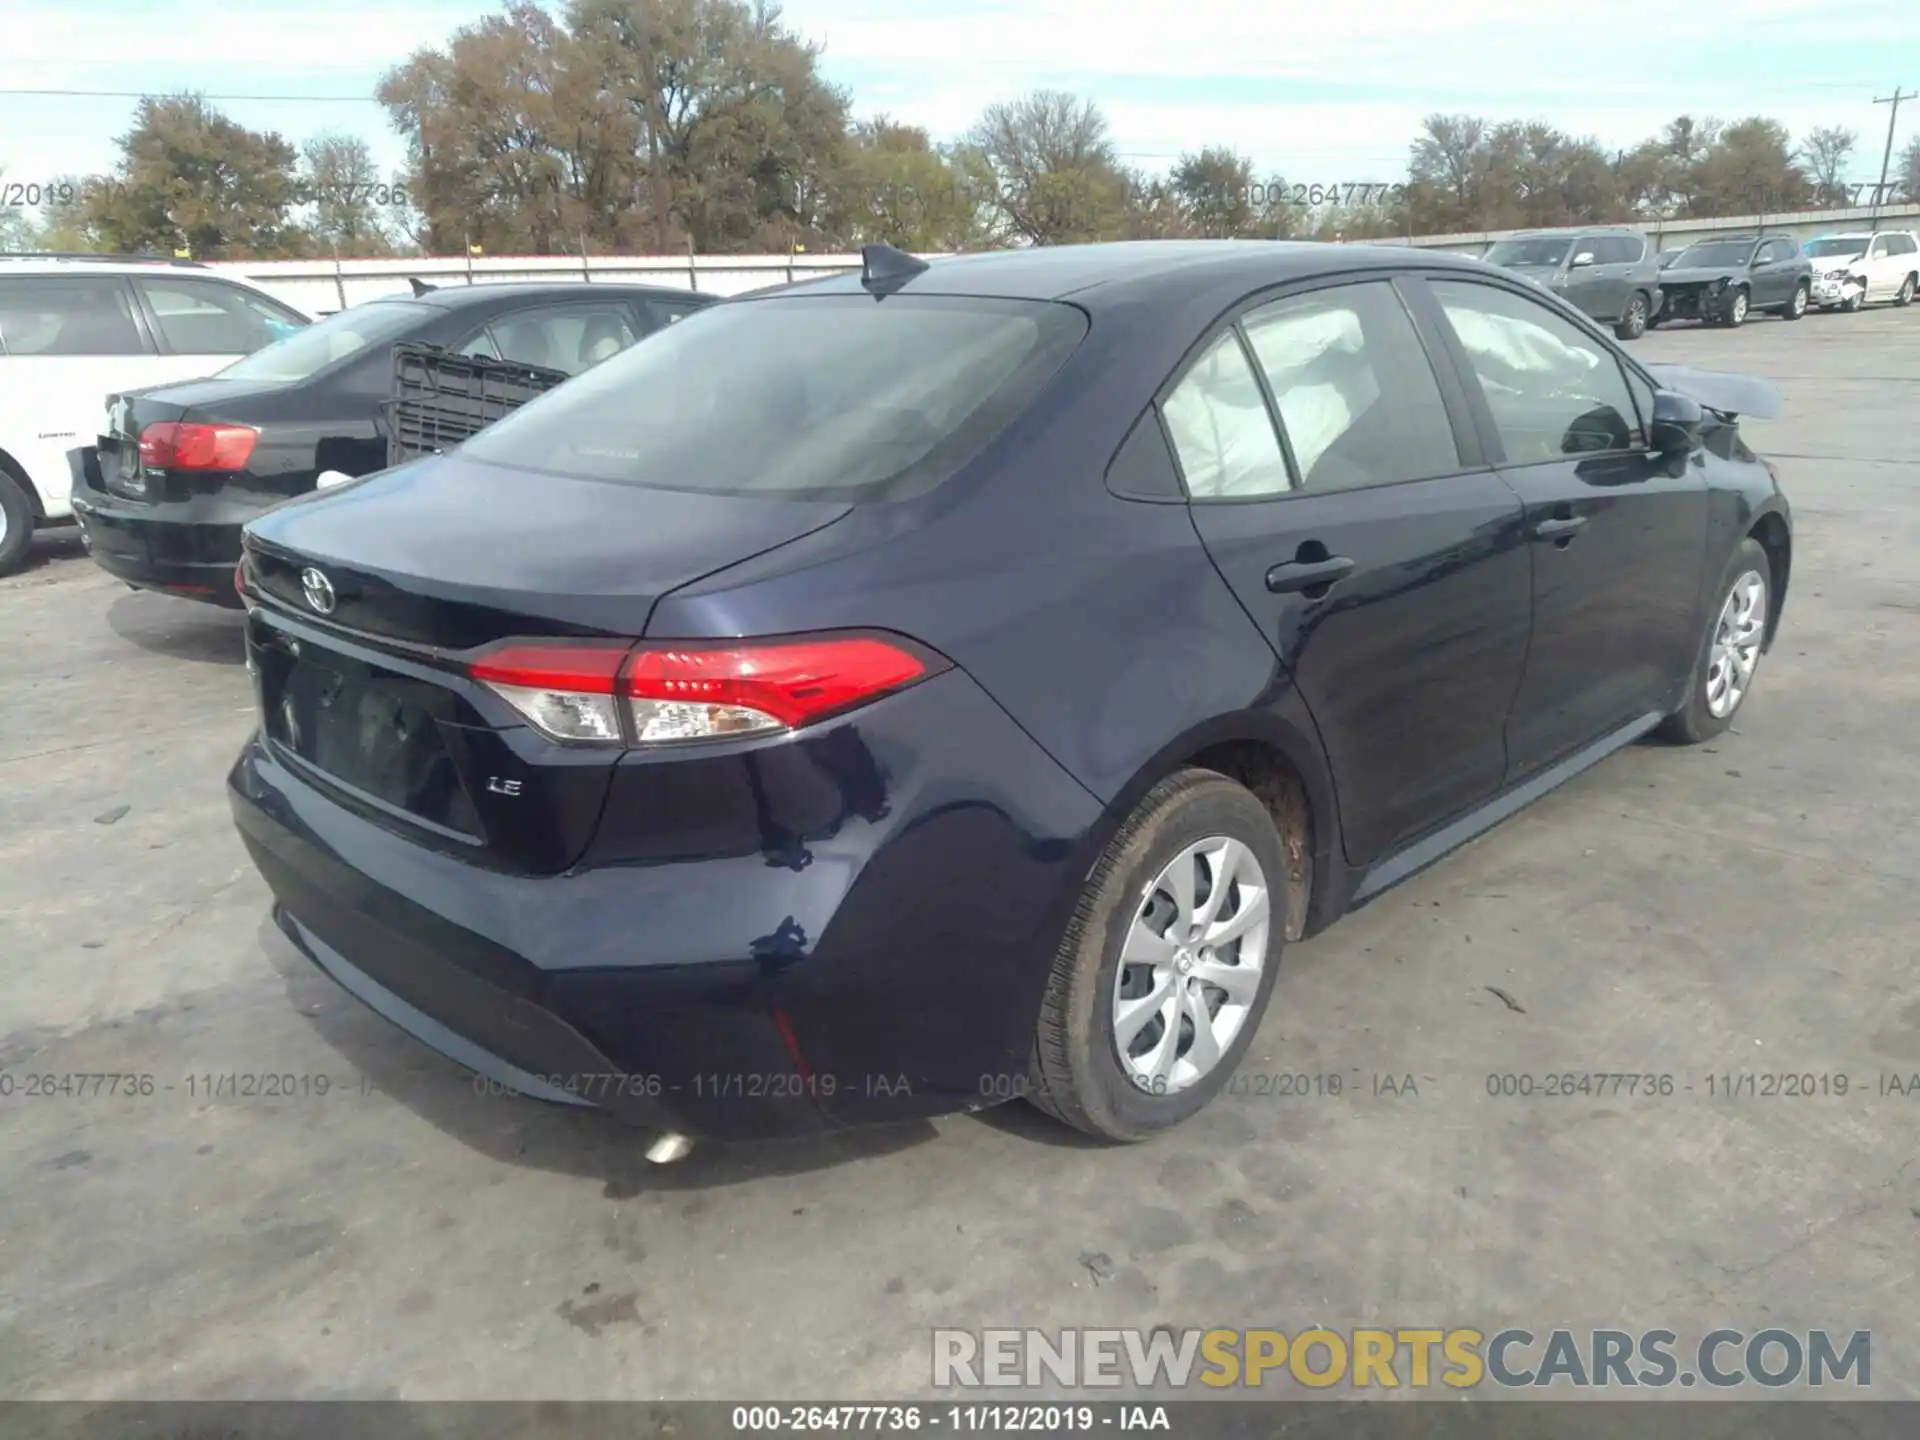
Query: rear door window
{"x": 205, "y": 317}
{"x": 68, "y": 315}
{"x": 800, "y": 397}
{"x": 1221, "y": 428}
{"x": 1358, "y": 400}
{"x": 666, "y": 312}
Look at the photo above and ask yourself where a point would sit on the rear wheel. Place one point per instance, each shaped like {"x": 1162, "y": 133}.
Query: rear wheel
{"x": 1633, "y": 324}
{"x": 16, "y": 524}
{"x": 1168, "y": 963}
{"x": 1797, "y": 306}
{"x": 1729, "y": 653}
{"x": 1905, "y": 297}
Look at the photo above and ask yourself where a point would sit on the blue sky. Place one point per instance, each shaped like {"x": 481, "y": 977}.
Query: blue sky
{"x": 1327, "y": 92}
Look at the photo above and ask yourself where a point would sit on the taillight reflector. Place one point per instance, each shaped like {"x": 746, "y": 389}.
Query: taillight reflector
{"x": 179, "y": 445}
{"x": 676, "y": 692}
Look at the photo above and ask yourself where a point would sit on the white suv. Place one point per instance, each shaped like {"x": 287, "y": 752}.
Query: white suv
{"x": 1856, "y": 269}
{"x": 75, "y": 328}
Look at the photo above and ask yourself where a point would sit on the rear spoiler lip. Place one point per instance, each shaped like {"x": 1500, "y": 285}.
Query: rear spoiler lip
{"x": 1730, "y": 395}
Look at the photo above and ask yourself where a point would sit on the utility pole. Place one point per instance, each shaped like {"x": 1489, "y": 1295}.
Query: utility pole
{"x": 1886, "y": 156}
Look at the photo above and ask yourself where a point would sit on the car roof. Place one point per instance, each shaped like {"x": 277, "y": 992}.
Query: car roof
{"x": 1577, "y": 230}
{"x": 455, "y": 297}
{"x": 1129, "y": 269}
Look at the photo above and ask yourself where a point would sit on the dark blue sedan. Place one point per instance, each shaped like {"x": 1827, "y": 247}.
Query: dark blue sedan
{"x": 903, "y": 692}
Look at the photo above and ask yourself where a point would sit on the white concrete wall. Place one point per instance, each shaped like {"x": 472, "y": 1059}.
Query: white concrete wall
{"x": 322, "y": 286}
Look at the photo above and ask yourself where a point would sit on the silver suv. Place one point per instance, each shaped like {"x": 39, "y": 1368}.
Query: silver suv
{"x": 1609, "y": 272}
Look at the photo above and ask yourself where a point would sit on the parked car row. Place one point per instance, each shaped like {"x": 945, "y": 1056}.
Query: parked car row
{"x": 220, "y": 401}
{"x": 1611, "y": 274}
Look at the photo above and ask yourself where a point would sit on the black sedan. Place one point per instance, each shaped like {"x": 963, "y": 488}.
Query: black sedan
{"x": 954, "y": 682}
{"x": 1723, "y": 281}
{"x": 181, "y": 467}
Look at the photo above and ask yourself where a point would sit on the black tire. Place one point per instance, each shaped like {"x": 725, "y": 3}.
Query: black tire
{"x": 1633, "y": 324}
{"x": 16, "y": 524}
{"x": 1905, "y": 297}
{"x": 1077, "y": 1073}
{"x": 1797, "y": 306}
{"x": 1693, "y": 722}
{"x": 1737, "y": 309}
{"x": 1855, "y": 302}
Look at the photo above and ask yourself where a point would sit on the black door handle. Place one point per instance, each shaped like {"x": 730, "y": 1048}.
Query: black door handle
{"x": 1300, "y": 575}
{"x": 1561, "y": 527}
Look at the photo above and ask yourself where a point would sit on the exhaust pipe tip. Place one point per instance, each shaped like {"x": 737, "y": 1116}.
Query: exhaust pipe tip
{"x": 668, "y": 1148}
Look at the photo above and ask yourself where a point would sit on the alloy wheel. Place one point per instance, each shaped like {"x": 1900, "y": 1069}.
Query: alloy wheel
{"x": 1190, "y": 967}
{"x": 1739, "y": 311}
{"x": 1737, "y": 637}
{"x": 1799, "y": 301}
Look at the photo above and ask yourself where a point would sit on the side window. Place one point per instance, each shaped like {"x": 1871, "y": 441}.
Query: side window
{"x": 1903, "y": 244}
{"x": 1552, "y": 390}
{"x": 568, "y": 338}
{"x": 1625, "y": 249}
{"x": 204, "y": 317}
{"x": 1142, "y": 467}
{"x": 665, "y": 312}
{"x": 1879, "y": 250}
{"x": 68, "y": 315}
{"x": 1221, "y": 430}
{"x": 1358, "y": 401}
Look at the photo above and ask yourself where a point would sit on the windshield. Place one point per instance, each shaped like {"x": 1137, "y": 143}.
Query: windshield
{"x": 805, "y": 398}
{"x": 1715, "y": 252}
{"x": 1539, "y": 250}
{"x": 1841, "y": 245}
{"x": 310, "y": 350}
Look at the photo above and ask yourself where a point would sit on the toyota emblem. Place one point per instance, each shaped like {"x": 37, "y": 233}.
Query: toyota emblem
{"x": 318, "y": 590}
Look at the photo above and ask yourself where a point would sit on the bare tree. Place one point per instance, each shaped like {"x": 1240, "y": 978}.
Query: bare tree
{"x": 1825, "y": 152}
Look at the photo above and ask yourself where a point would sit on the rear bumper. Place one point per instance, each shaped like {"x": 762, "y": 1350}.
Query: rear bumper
{"x": 883, "y": 967}
{"x": 187, "y": 548}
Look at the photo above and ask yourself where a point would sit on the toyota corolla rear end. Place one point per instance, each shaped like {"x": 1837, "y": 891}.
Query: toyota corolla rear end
{"x": 741, "y": 886}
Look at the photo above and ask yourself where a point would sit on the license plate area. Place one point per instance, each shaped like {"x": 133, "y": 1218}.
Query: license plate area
{"x": 120, "y": 468}
{"x": 371, "y": 730}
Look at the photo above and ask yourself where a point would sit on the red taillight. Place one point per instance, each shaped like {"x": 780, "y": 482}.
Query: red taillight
{"x": 692, "y": 691}
{"x": 178, "y": 445}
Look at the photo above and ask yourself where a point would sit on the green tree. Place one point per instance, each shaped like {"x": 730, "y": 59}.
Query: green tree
{"x": 190, "y": 178}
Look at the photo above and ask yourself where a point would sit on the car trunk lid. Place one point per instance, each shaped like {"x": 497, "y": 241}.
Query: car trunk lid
{"x": 373, "y": 599}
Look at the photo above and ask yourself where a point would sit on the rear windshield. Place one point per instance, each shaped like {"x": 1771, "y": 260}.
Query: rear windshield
{"x": 1540, "y": 250}
{"x": 801, "y": 397}
{"x": 1715, "y": 252}
{"x": 325, "y": 342}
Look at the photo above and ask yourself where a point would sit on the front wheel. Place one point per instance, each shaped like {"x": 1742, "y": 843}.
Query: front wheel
{"x": 1905, "y": 297}
{"x": 1633, "y": 324}
{"x": 1737, "y": 308}
{"x": 1167, "y": 965}
{"x": 16, "y": 524}
{"x": 1797, "y": 306}
{"x": 1857, "y": 300}
{"x": 1729, "y": 652}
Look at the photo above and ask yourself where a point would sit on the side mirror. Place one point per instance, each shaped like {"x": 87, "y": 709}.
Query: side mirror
{"x": 1585, "y": 257}
{"x": 1676, "y": 424}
